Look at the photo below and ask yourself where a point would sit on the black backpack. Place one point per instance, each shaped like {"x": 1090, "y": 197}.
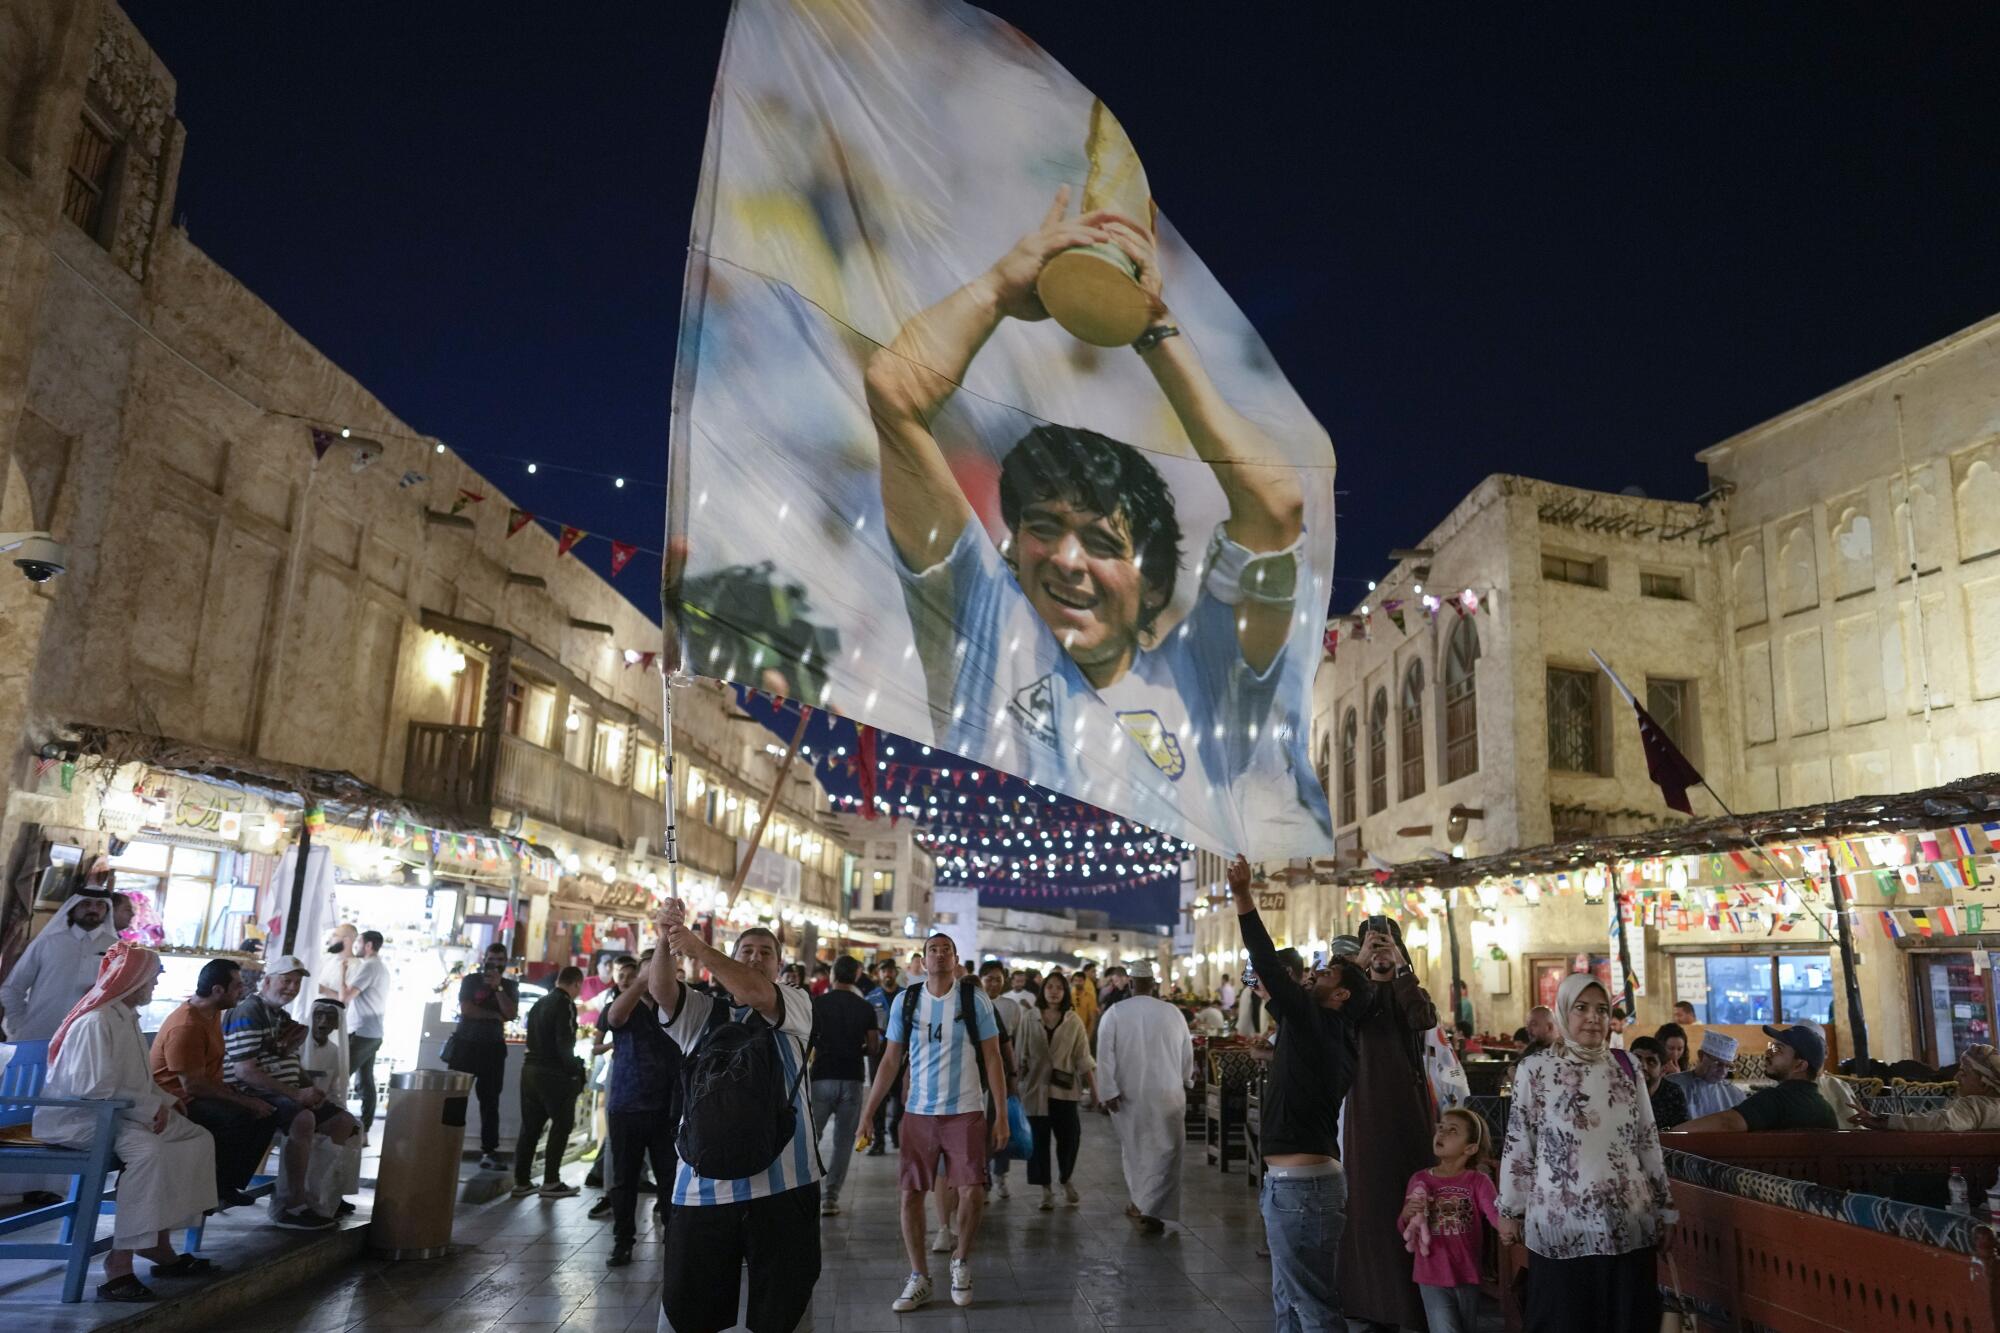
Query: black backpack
{"x": 737, "y": 1114}
{"x": 968, "y": 1017}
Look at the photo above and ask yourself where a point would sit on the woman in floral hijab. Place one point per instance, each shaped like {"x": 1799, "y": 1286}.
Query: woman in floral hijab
{"x": 1582, "y": 1179}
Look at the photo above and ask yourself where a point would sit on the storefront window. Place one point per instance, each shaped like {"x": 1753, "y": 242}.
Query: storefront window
{"x": 1954, "y": 1003}
{"x": 195, "y": 910}
{"x": 1764, "y": 988}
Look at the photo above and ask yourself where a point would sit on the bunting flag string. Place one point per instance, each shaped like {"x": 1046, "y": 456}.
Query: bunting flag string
{"x": 517, "y": 519}
{"x": 621, "y": 555}
{"x": 570, "y": 537}
{"x": 465, "y": 498}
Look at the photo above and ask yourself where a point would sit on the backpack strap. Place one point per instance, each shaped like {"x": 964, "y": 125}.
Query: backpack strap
{"x": 968, "y": 1009}
{"x": 1624, "y": 1059}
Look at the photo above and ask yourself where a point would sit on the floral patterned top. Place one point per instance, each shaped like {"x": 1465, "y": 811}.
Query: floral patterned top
{"x": 1582, "y": 1163}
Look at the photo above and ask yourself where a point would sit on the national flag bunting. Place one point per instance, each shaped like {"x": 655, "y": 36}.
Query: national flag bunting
{"x": 1945, "y": 925}
{"x": 621, "y": 555}
{"x": 322, "y": 440}
{"x": 1921, "y": 920}
{"x": 1890, "y": 926}
{"x": 1393, "y": 608}
{"x": 1929, "y": 843}
{"x": 465, "y": 498}
{"x": 1962, "y": 838}
{"x": 570, "y": 537}
{"x": 1330, "y": 643}
{"x": 517, "y": 519}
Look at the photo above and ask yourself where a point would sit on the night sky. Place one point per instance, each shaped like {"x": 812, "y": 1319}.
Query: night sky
{"x": 1546, "y": 239}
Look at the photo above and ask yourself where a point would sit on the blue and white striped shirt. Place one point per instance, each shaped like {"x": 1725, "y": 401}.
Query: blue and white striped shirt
{"x": 798, "y": 1164}
{"x": 944, "y": 1063}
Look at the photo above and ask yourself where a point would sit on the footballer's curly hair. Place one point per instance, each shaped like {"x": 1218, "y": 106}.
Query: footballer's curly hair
{"x": 1105, "y": 476}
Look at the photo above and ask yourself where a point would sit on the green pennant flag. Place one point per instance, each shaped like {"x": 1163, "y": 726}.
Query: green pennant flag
{"x": 1975, "y": 918}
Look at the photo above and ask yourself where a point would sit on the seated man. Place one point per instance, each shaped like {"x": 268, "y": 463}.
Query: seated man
{"x": 1794, "y": 1102}
{"x": 263, "y": 1047}
{"x": 1977, "y": 1105}
{"x": 167, "y": 1180}
{"x": 1707, "y": 1086}
{"x": 186, "y": 1062}
{"x": 1670, "y": 1108}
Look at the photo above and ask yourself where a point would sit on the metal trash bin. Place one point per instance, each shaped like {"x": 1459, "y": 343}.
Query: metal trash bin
{"x": 416, "y": 1186}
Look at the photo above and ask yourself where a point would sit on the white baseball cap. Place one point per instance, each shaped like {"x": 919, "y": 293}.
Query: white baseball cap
{"x": 285, "y": 965}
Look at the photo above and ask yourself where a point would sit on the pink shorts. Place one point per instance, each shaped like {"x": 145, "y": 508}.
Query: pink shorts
{"x": 962, "y": 1140}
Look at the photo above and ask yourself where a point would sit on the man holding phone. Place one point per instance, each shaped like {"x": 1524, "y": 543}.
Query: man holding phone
{"x": 488, "y": 1000}
{"x": 1390, "y": 1110}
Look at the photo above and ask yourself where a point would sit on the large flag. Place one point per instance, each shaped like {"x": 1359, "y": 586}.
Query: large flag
{"x": 1671, "y": 771}
{"x": 1092, "y": 550}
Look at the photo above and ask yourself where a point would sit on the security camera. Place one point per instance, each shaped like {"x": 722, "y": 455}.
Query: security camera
{"x": 36, "y": 555}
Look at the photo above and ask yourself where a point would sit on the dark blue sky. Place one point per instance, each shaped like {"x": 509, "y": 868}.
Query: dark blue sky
{"x": 1542, "y": 239}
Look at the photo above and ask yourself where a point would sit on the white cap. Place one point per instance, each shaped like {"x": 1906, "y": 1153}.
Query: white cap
{"x": 1140, "y": 971}
{"x": 285, "y": 965}
{"x": 1720, "y": 1045}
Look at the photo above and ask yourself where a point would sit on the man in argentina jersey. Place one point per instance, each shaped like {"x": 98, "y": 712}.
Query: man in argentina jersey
{"x": 769, "y": 1221}
{"x": 944, "y": 1110}
{"x": 1048, "y": 647}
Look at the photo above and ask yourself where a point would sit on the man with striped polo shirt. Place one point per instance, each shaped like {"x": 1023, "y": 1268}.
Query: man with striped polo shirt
{"x": 948, "y": 1031}
{"x": 769, "y": 1221}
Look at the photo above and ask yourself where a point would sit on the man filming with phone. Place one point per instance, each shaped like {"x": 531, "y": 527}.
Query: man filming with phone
{"x": 1305, "y": 1190}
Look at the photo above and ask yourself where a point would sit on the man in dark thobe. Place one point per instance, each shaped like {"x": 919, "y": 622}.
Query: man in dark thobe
{"x": 1387, "y": 1129}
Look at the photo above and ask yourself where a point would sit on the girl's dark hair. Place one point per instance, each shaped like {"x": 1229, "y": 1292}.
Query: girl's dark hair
{"x": 1041, "y": 991}
{"x": 1105, "y": 476}
{"x": 1674, "y": 1030}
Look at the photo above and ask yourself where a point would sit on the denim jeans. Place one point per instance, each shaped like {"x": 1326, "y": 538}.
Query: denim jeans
{"x": 838, "y": 1100}
{"x": 1303, "y": 1218}
{"x": 1451, "y": 1309}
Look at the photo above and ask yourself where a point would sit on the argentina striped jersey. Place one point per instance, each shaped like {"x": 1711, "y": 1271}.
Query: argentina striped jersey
{"x": 798, "y": 1164}
{"x": 944, "y": 1065}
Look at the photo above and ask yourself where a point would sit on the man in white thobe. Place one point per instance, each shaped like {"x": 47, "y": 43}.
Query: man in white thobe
{"x": 59, "y": 965}
{"x": 168, "y": 1178}
{"x": 1145, "y": 1065}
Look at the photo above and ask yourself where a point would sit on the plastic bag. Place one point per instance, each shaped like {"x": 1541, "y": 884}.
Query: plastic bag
{"x": 1020, "y": 1134}
{"x": 1449, "y": 1085}
{"x": 333, "y": 1171}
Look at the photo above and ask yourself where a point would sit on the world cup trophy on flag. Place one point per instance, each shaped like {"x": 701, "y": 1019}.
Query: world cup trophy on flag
{"x": 1093, "y": 290}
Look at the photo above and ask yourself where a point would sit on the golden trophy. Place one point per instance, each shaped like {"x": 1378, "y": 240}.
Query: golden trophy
{"x": 1093, "y": 290}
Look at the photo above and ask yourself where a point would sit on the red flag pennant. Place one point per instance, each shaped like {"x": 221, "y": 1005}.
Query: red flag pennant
{"x": 322, "y": 440}
{"x": 864, "y": 749}
{"x": 570, "y": 537}
{"x": 1669, "y": 769}
{"x": 465, "y": 498}
{"x": 517, "y": 519}
{"x": 621, "y": 555}
{"x": 1331, "y": 642}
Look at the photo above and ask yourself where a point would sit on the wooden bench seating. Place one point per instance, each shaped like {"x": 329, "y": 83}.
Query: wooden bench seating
{"x": 1912, "y": 1167}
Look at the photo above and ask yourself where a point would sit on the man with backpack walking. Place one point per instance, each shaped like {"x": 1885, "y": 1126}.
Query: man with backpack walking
{"x": 947, "y": 1029}
{"x": 747, "y": 1189}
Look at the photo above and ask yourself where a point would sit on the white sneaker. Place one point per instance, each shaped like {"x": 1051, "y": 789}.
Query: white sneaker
{"x": 916, "y": 1295}
{"x": 1048, "y": 1199}
{"x": 1070, "y": 1196}
{"x": 1004, "y": 1193}
{"x": 961, "y": 1282}
{"x": 945, "y": 1241}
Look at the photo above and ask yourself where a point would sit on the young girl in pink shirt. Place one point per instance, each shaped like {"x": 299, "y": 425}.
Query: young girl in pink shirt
{"x": 1441, "y": 1222}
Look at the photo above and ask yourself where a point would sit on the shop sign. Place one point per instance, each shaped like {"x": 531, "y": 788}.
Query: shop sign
{"x": 779, "y": 876}
{"x": 180, "y": 806}
{"x": 870, "y": 925}
{"x": 1271, "y": 900}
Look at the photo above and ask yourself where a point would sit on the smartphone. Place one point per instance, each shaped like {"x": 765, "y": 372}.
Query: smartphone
{"x": 1379, "y": 924}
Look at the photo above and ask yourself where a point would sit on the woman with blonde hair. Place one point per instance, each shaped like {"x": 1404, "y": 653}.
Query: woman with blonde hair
{"x": 1582, "y": 1180}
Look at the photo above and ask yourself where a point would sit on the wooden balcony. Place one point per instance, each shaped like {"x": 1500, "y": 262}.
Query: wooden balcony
{"x": 448, "y": 767}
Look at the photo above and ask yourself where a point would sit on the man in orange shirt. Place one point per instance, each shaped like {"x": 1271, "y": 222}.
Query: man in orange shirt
{"x": 187, "y": 1062}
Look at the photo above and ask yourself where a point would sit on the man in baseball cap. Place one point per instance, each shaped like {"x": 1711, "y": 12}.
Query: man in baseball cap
{"x": 1794, "y": 1102}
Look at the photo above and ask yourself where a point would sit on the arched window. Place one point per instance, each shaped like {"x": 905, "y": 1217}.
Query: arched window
{"x": 1461, "y": 702}
{"x": 1350, "y": 737}
{"x": 1378, "y": 753}
{"x": 1410, "y": 733}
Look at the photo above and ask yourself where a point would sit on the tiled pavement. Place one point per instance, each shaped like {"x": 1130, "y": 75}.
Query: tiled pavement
{"x": 529, "y": 1265}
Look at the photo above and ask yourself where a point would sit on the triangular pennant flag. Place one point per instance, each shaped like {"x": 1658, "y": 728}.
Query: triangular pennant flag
{"x": 1393, "y": 608}
{"x": 465, "y": 498}
{"x": 1330, "y": 643}
{"x": 621, "y": 555}
{"x": 570, "y": 537}
{"x": 322, "y": 440}
{"x": 517, "y": 519}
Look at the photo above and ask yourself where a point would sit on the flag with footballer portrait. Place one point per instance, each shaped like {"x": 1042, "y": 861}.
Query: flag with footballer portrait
{"x": 970, "y": 446}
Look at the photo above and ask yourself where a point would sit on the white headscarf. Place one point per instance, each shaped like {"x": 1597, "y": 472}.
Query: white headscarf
{"x": 1574, "y": 985}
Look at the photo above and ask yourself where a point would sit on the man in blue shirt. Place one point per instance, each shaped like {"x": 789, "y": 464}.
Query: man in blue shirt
{"x": 944, "y": 1109}
{"x": 1046, "y": 655}
{"x": 643, "y": 1109}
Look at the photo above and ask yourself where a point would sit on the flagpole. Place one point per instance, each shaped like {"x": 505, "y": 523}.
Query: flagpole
{"x": 1624, "y": 955}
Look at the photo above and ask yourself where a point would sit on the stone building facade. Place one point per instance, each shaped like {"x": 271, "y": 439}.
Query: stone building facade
{"x": 235, "y": 593}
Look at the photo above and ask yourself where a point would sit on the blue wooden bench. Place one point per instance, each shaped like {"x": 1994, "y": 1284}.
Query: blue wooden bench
{"x": 21, "y": 1085}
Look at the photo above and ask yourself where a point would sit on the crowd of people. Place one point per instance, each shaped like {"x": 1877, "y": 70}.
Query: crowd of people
{"x": 723, "y": 1072}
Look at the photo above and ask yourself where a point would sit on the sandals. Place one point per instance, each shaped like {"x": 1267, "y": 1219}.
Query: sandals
{"x": 186, "y": 1265}
{"x": 128, "y": 1289}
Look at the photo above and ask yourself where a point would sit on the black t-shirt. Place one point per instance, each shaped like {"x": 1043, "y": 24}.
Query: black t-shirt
{"x": 1792, "y": 1104}
{"x": 480, "y": 989}
{"x": 842, "y": 1021}
{"x": 1314, "y": 1062}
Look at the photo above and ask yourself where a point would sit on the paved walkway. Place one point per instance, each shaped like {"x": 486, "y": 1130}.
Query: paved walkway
{"x": 530, "y": 1265}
